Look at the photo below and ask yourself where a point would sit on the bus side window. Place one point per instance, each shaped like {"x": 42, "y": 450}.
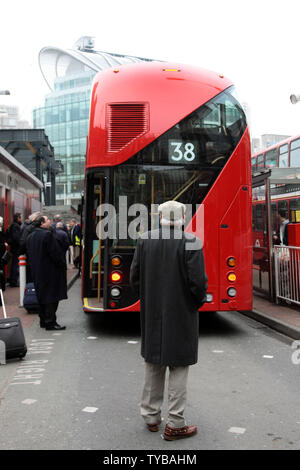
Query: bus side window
{"x": 294, "y": 206}
{"x": 274, "y": 217}
{"x": 295, "y": 154}
{"x": 260, "y": 161}
{"x": 283, "y": 156}
{"x": 283, "y": 206}
{"x": 259, "y": 217}
{"x": 271, "y": 158}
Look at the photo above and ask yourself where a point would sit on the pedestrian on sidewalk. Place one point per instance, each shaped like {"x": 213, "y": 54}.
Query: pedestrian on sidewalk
{"x": 62, "y": 238}
{"x": 13, "y": 235}
{"x": 2, "y": 252}
{"x": 56, "y": 219}
{"x": 27, "y": 228}
{"x": 168, "y": 272}
{"x": 75, "y": 237}
{"x": 48, "y": 269}
{"x": 283, "y": 229}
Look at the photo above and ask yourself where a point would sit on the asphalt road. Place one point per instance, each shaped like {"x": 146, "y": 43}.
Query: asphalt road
{"x": 80, "y": 388}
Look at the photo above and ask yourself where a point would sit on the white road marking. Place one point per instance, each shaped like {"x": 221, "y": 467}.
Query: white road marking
{"x": 237, "y": 430}
{"x": 268, "y": 357}
{"x": 132, "y": 342}
{"x": 29, "y": 401}
{"x": 92, "y": 337}
{"x": 90, "y": 409}
{"x": 218, "y": 351}
{"x": 30, "y": 370}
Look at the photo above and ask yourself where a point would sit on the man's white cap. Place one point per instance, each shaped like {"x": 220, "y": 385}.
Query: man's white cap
{"x": 172, "y": 213}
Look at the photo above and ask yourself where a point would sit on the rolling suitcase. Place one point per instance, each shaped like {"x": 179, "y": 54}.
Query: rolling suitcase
{"x": 30, "y": 301}
{"x": 12, "y": 335}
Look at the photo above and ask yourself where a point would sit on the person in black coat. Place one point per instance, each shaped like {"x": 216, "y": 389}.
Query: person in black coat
{"x": 62, "y": 237}
{"x": 27, "y": 228}
{"x": 13, "y": 239}
{"x": 48, "y": 269}
{"x": 168, "y": 271}
{"x": 2, "y": 251}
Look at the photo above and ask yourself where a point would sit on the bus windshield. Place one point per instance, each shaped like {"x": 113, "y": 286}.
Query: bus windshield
{"x": 183, "y": 163}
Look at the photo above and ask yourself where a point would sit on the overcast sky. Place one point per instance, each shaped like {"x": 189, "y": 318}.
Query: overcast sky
{"x": 255, "y": 44}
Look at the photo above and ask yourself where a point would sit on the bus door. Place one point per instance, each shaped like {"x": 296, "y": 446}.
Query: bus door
{"x": 263, "y": 220}
{"x": 95, "y": 263}
{"x": 260, "y": 248}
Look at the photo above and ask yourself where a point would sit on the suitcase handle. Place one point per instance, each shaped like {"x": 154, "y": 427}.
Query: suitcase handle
{"x": 3, "y": 304}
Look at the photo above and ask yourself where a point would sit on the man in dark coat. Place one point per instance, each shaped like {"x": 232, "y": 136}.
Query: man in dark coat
{"x": 27, "y": 228}
{"x": 168, "y": 271}
{"x": 48, "y": 269}
{"x": 61, "y": 236}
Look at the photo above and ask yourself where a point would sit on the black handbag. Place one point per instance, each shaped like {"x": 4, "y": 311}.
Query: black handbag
{"x": 6, "y": 257}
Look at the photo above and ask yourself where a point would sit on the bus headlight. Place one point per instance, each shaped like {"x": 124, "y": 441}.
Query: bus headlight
{"x": 231, "y": 292}
{"x": 209, "y": 298}
{"x": 115, "y": 292}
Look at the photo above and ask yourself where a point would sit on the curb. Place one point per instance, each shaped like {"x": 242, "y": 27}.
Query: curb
{"x": 275, "y": 324}
{"x": 72, "y": 280}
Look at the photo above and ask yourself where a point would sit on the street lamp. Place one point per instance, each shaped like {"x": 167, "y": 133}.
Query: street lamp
{"x": 294, "y": 99}
{"x": 4, "y": 92}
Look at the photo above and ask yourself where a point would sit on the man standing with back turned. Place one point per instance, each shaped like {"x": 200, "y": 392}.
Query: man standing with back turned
{"x": 168, "y": 271}
{"x": 48, "y": 268}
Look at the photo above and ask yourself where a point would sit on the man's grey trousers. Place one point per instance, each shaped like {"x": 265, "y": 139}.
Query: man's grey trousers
{"x": 153, "y": 394}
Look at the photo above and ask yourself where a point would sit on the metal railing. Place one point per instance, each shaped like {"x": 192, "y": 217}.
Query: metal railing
{"x": 287, "y": 273}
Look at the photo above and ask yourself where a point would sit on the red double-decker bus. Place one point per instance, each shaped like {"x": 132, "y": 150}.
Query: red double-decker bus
{"x": 284, "y": 154}
{"x": 160, "y": 132}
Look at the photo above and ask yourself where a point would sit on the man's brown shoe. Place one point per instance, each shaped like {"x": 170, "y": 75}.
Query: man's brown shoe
{"x": 154, "y": 427}
{"x": 171, "y": 434}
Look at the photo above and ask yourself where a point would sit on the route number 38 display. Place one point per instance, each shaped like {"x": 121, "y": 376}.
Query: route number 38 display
{"x": 183, "y": 152}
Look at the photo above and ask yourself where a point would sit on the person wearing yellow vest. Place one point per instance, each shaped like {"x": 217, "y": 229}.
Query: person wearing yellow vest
{"x": 75, "y": 236}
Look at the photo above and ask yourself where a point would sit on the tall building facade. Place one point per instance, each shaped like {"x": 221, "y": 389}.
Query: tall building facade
{"x": 65, "y": 120}
{"x": 266, "y": 140}
{"x": 10, "y": 119}
{"x": 69, "y": 74}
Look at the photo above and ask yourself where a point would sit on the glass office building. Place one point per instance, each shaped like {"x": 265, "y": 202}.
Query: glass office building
{"x": 69, "y": 74}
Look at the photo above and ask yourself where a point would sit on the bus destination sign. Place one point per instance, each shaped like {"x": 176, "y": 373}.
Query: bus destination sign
{"x": 183, "y": 151}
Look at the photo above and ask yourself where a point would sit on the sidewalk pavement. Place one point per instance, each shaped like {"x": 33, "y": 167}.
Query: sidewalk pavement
{"x": 12, "y": 301}
{"x": 283, "y": 317}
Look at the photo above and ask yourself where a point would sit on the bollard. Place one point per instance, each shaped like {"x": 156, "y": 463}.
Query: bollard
{"x": 22, "y": 271}
{"x": 68, "y": 257}
{"x": 71, "y": 254}
{"x": 2, "y": 353}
